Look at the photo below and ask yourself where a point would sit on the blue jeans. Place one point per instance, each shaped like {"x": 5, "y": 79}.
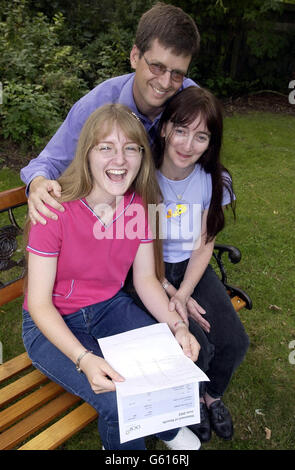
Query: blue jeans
{"x": 227, "y": 333}
{"x": 113, "y": 316}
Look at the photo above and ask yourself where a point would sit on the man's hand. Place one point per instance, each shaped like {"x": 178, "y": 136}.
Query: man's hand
{"x": 40, "y": 189}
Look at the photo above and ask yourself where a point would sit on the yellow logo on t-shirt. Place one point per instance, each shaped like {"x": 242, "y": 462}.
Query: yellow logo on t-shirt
{"x": 180, "y": 209}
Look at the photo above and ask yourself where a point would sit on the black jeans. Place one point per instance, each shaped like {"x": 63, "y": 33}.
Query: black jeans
{"x": 227, "y": 334}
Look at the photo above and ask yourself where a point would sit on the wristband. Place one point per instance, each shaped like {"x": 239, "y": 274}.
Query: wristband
{"x": 179, "y": 321}
{"x": 78, "y": 368}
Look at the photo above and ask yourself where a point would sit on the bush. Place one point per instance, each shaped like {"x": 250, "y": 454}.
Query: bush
{"x": 109, "y": 55}
{"x": 42, "y": 78}
{"x": 29, "y": 114}
{"x": 242, "y": 46}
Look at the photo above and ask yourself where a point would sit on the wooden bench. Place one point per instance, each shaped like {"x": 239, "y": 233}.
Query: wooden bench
{"x": 35, "y": 413}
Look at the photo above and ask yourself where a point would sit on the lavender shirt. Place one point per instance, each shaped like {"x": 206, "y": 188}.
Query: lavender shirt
{"x": 60, "y": 150}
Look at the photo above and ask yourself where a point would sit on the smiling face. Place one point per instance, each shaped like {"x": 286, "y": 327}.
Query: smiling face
{"x": 151, "y": 91}
{"x": 184, "y": 145}
{"x": 114, "y": 164}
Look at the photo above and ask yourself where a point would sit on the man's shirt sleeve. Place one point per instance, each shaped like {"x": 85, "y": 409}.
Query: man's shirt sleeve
{"x": 60, "y": 150}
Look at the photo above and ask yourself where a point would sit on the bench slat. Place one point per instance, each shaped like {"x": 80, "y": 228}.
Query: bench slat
{"x": 13, "y": 197}
{"x": 21, "y": 386}
{"x": 11, "y": 292}
{"x": 14, "y": 366}
{"x": 59, "y": 432}
{"x": 28, "y": 404}
{"x": 40, "y": 418}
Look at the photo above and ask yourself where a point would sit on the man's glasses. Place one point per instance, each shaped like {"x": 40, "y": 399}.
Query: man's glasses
{"x": 160, "y": 69}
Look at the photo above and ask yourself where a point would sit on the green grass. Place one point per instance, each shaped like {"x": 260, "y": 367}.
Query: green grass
{"x": 9, "y": 179}
{"x": 259, "y": 152}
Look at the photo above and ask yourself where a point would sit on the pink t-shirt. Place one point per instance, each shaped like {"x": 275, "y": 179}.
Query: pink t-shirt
{"x": 93, "y": 259}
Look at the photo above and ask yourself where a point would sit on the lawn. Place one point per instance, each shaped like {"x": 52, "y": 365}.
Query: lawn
{"x": 258, "y": 150}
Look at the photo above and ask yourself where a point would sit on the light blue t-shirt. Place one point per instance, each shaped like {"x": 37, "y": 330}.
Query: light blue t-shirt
{"x": 183, "y": 207}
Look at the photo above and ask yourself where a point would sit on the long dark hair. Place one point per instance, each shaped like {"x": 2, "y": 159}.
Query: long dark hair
{"x": 191, "y": 103}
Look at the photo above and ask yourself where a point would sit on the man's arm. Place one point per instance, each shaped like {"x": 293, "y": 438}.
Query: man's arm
{"x": 60, "y": 150}
{"x": 40, "y": 174}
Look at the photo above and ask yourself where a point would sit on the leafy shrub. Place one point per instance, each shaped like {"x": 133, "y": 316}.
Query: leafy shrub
{"x": 108, "y": 54}
{"x": 29, "y": 115}
{"x": 242, "y": 49}
{"x": 42, "y": 77}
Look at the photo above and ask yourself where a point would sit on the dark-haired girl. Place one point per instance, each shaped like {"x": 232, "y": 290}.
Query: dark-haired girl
{"x": 196, "y": 187}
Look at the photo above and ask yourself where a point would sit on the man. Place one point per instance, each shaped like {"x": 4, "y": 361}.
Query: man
{"x": 165, "y": 42}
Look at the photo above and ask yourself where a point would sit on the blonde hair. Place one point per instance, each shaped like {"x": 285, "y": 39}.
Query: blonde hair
{"x": 76, "y": 181}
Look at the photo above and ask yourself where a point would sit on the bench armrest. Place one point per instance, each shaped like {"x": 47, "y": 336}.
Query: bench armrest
{"x": 234, "y": 256}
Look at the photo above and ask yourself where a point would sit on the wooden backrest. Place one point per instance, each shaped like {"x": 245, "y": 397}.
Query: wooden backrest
{"x": 10, "y": 200}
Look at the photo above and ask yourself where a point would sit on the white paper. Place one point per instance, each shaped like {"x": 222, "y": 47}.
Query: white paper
{"x": 161, "y": 389}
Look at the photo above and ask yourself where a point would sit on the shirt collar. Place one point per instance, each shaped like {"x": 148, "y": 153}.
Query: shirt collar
{"x": 126, "y": 98}
{"x": 127, "y": 199}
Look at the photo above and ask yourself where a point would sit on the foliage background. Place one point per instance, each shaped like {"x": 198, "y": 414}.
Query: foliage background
{"x": 52, "y": 53}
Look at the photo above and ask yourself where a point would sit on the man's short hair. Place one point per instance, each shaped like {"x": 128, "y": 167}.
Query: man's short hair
{"x": 171, "y": 26}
